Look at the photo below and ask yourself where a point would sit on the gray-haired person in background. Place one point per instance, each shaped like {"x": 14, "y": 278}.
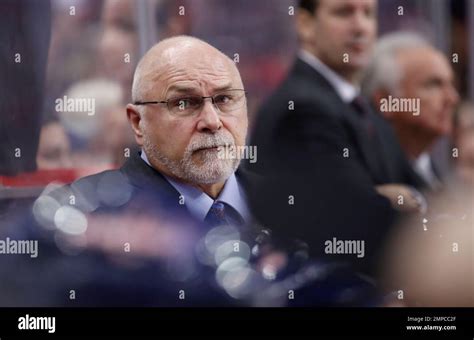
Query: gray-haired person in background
{"x": 412, "y": 84}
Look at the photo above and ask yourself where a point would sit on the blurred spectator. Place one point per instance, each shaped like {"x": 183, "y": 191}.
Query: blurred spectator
{"x": 72, "y": 53}
{"x": 412, "y": 84}
{"x": 54, "y": 147}
{"x": 169, "y": 21}
{"x": 100, "y": 131}
{"x": 118, "y": 44}
{"x": 464, "y": 141}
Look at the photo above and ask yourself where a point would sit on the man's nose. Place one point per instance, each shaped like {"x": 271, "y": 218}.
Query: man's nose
{"x": 361, "y": 23}
{"x": 209, "y": 119}
{"x": 451, "y": 95}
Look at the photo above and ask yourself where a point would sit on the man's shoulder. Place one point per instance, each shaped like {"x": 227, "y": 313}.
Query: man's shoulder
{"x": 95, "y": 179}
{"x": 304, "y": 89}
{"x": 115, "y": 188}
{"x": 304, "y": 83}
{"x": 110, "y": 187}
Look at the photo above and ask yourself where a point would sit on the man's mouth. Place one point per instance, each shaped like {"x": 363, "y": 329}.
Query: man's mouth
{"x": 357, "y": 46}
{"x": 209, "y": 148}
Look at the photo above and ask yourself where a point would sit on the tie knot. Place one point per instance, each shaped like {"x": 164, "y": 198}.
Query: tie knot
{"x": 217, "y": 209}
{"x": 361, "y": 105}
{"x": 216, "y": 215}
{"x": 222, "y": 214}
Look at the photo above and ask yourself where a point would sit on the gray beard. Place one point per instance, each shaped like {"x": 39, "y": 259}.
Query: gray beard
{"x": 212, "y": 169}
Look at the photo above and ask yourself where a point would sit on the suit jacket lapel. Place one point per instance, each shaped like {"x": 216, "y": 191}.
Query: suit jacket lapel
{"x": 367, "y": 150}
{"x": 350, "y": 116}
{"x": 302, "y": 69}
{"x": 145, "y": 178}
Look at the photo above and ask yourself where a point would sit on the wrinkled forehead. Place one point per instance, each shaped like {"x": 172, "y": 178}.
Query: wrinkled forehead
{"x": 199, "y": 70}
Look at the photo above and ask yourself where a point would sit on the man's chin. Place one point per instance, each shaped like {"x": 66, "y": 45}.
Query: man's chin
{"x": 207, "y": 179}
{"x": 205, "y": 174}
{"x": 360, "y": 60}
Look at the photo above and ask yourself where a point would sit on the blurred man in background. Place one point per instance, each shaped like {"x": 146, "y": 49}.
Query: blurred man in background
{"x": 118, "y": 44}
{"x": 91, "y": 147}
{"x": 338, "y": 158}
{"x": 412, "y": 84}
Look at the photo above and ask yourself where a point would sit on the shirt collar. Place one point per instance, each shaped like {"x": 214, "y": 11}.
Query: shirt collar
{"x": 424, "y": 167}
{"x": 423, "y": 163}
{"x": 198, "y": 203}
{"x": 344, "y": 89}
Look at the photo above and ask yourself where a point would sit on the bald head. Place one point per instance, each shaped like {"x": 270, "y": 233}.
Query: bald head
{"x": 177, "y": 55}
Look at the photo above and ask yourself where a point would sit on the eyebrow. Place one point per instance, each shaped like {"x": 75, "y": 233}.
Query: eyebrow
{"x": 186, "y": 89}
{"x": 181, "y": 89}
{"x": 223, "y": 88}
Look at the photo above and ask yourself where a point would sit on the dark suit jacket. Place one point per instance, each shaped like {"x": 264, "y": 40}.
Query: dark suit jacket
{"x": 318, "y": 153}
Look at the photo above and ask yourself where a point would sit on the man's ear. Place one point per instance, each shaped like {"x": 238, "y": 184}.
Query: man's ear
{"x": 304, "y": 25}
{"x": 380, "y": 98}
{"x": 134, "y": 118}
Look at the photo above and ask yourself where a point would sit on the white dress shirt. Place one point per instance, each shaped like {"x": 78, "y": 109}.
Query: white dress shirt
{"x": 424, "y": 168}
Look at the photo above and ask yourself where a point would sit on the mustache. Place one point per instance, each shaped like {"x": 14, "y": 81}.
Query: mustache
{"x": 359, "y": 40}
{"x": 210, "y": 141}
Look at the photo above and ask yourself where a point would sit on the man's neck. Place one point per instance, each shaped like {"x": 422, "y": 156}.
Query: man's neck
{"x": 413, "y": 142}
{"x": 349, "y": 75}
{"x": 345, "y": 90}
{"x": 212, "y": 190}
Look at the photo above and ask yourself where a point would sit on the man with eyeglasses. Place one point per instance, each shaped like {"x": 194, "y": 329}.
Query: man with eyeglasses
{"x": 176, "y": 208}
{"x": 188, "y": 105}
